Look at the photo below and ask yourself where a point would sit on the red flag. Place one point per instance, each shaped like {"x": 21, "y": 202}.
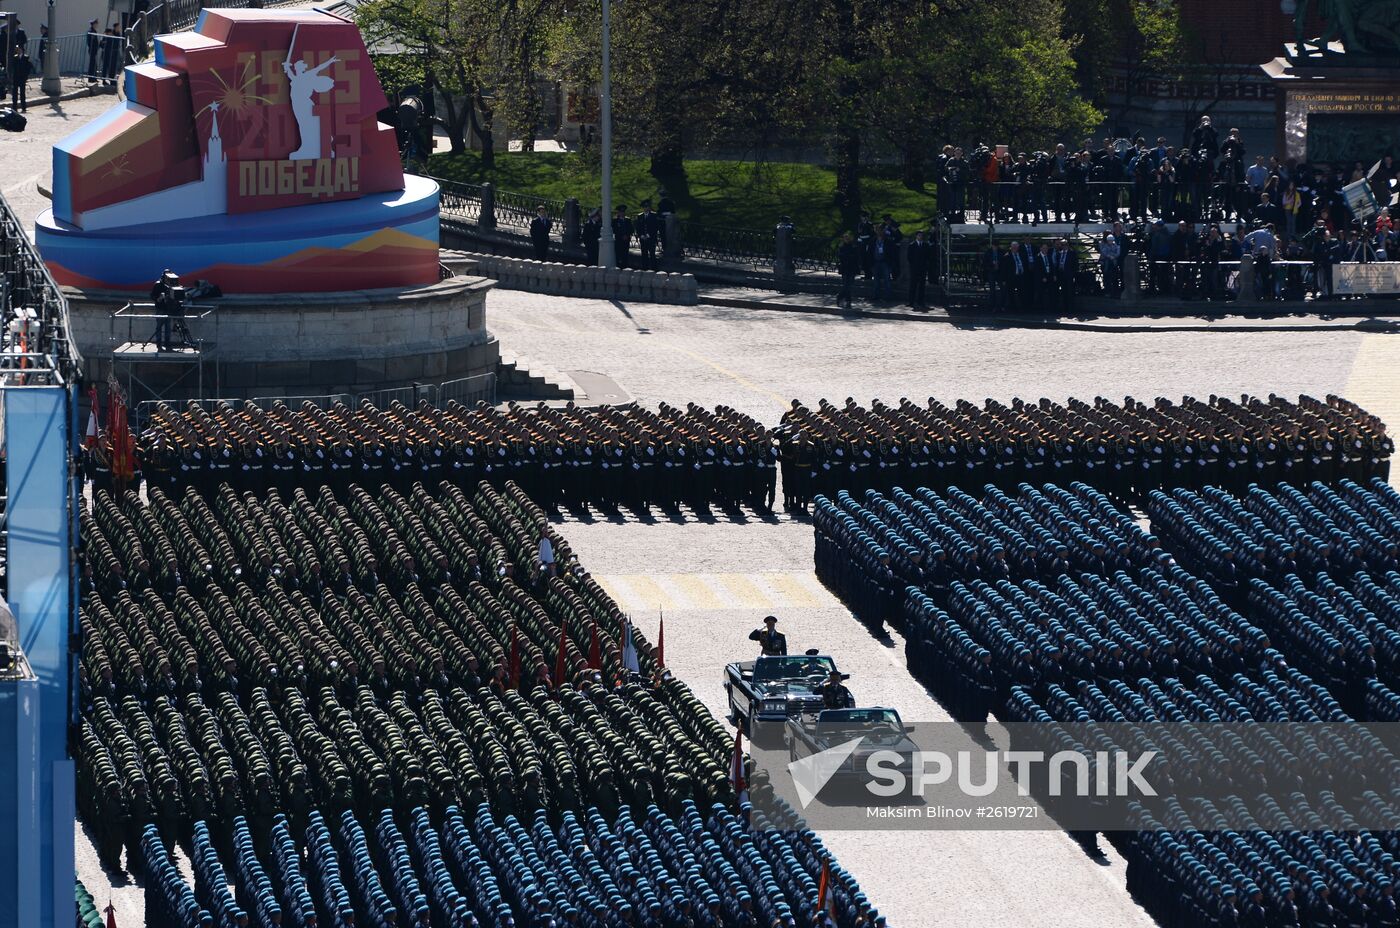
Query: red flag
{"x": 514, "y": 659}
{"x": 111, "y": 915}
{"x": 661, "y": 643}
{"x": 123, "y": 450}
{"x": 595, "y": 650}
{"x": 90, "y": 439}
{"x": 822, "y": 885}
{"x": 559, "y": 669}
{"x": 736, "y": 767}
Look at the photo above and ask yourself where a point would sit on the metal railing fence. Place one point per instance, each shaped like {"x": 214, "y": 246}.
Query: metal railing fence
{"x": 35, "y": 330}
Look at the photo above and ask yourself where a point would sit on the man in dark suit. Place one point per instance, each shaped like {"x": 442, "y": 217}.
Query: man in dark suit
{"x": 12, "y": 42}
{"x": 920, "y": 259}
{"x": 991, "y": 268}
{"x": 648, "y": 234}
{"x": 622, "y": 235}
{"x": 592, "y": 231}
{"x": 1015, "y": 276}
{"x": 94, "y": 45}
{"x": 1043, "y": 282}
{"x": 1066, "y": 268}
{"x": 539, "y": 234}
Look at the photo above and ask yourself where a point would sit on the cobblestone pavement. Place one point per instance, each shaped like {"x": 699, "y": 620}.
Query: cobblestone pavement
{"x": 716, "y": 580}
{"x": 26, "y": 158}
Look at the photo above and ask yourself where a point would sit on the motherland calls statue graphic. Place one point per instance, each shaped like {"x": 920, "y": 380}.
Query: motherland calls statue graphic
{"x": 247, "y": 152}
{"x": 306, "y": 82}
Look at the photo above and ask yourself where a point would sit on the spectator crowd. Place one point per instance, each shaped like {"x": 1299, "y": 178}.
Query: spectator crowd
{"x": 1190, "y": 213}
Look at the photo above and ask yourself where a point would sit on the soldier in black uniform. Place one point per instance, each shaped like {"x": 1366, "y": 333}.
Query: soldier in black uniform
{"x": 622, "y": 236}
{"x": 648, "y": 235}
{"x": 771, "y": 642}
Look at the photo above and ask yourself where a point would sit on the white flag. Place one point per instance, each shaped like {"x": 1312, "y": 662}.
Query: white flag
{"x": 629, "y": 650}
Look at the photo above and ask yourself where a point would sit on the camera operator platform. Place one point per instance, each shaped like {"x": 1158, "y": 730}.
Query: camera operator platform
{"x": 170, "y": 355}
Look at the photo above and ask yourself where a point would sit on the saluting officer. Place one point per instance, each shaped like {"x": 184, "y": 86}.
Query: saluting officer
{"x": 771, "y": 642}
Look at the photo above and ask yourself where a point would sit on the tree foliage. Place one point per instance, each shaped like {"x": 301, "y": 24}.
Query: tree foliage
{"x": 867, "y": 80}
{"x": 479, "y": 56}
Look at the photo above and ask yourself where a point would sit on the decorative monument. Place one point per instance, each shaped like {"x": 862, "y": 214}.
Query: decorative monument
{"x": 248, "y": 153}
{"x": 1339, "y": 92}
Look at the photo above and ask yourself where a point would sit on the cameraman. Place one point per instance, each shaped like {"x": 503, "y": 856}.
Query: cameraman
{"x": 1040, "y": 176}
{"x": 1023, "y": 173}
{"x": 168, "y": 296}
{"x": 955, "y": 174}
{"x": 1205, "y": 141}
{"x": 986, "y": 205}
{"x": 1059, "y": 166}
{"x": 1231, "y": 174}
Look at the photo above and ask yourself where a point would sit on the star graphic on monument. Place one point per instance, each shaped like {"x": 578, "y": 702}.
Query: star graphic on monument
{"x": 118, "y": 167}
{"x": 236, "y": 96}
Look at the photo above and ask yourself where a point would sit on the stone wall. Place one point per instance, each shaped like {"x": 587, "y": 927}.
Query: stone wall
{"x": 580, "y": 280}
{"x": 267, "y": 345}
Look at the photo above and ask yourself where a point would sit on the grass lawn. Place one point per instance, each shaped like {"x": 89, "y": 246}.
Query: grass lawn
{"x": 726, "y": 194}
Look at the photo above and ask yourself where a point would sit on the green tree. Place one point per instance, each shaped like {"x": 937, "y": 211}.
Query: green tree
{"x": 699, "y": 73}
{"x": 915, "y": 75}
{"x": 477, "y": 55}
{"x": 1138, "y": 37}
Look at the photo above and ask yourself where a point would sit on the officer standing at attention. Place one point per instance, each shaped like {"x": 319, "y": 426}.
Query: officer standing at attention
{"x": 771, "y": 642}
{"x": 649, "y": 227}
{"x": 623, "y": 230}
{"x": 539, "y": 234}
{"x": 834, "y": 693}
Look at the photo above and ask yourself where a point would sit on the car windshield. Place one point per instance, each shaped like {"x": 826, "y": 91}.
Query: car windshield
{"x": 790, "y": 668}
{"x": 859, "y": 718}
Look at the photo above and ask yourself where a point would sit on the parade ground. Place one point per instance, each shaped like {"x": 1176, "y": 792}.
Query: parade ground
{"x": 716, "y": 578}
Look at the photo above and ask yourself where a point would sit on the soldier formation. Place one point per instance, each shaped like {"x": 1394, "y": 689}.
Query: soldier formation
{"x": 610, "y": 457}
{"x": 567, "y": 456}
{"x": 1126, "y": 450}
{"x": 339, "y": 670}
{"x": 1260, "y": 857}
{"x": 642, "y": 868}
{"x": 1263, "y": 534}
{"x": 342, "y": 659}
{"x": 1055, "y": 606}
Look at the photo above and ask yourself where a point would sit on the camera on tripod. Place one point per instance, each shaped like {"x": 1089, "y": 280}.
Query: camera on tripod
{"x": 170, "y": 298}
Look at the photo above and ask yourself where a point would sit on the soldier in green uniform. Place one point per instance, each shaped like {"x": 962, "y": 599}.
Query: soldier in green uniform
{"x": 771, "y": 642}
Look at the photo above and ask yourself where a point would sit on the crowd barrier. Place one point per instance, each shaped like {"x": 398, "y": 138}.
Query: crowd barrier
{"x": 584, "y": 281}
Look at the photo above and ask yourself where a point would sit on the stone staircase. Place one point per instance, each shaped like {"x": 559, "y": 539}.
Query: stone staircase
{"x": 519, "y": 378}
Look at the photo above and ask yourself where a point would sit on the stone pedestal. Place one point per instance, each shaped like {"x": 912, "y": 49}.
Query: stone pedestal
{"x": 299, "y": 344}
{"x": 1336, "y": 108}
